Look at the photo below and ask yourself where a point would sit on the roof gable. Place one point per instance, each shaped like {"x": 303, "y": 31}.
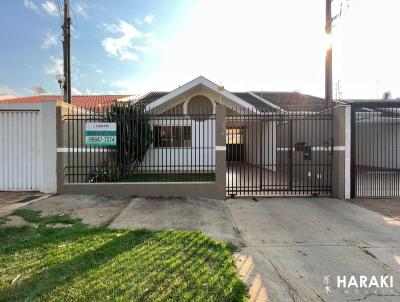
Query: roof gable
{"x": 200, "y": 81}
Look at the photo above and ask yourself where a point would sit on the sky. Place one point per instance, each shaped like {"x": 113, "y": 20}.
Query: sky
{"x": 136, "y": 46}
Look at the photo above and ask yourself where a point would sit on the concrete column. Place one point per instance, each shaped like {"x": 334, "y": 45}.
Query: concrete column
{"x": 341, "y": 126}
{"x": 49, "y": 147}
{"x": 220, "y": 151}
{"x": 60, "y": 144}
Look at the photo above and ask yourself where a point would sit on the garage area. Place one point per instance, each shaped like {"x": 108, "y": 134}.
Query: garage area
{"x": 376, "y": 149}
{"x": 278, "y": 153}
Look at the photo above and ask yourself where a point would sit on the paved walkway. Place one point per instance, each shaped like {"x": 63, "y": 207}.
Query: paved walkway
{"x": 9, "y": 201}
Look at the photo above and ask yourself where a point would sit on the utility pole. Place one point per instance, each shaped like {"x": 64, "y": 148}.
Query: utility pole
{"x": 66, "y": 27}
{"x": 328, "y": 56}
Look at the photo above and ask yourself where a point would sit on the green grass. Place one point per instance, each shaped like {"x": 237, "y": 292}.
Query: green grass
{"x": 35, "y": 217}
{"x": 99, "y": 264}
{"x": 3, "y": 220}
{"x": 176, "y": 177}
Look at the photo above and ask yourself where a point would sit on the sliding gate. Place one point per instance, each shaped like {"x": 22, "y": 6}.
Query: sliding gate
{"x": 278, "y": 153}
{"x": 375, "y": 151}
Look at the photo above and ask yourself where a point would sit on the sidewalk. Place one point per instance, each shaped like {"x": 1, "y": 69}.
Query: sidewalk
{"x": 9, "y": 201}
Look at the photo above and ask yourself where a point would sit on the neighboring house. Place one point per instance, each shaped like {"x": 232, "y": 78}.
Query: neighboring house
{"x": 89, "y": 102}
{"x": 376, "y": 146}
{"x": 377, "y": 133}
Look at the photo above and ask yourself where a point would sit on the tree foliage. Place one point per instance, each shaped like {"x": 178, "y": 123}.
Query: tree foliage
{"x": 134, "y": 136}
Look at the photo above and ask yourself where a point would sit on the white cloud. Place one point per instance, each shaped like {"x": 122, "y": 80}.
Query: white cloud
{"x": 49, "y": 41}
{"x": 50, "y": 7}
{"x": 123, "y": 47}
{"x": 56, "y": 68}
{"x": 31, "y": 5}
{"x": 99, "y": 71}
{"x": 123, "y": 87}
{"x": 149, "y": 18}
{"x": 6, "y": 90}
{"x": 75, "y": 91}
{"x": 91, "y": 92}
{"x": 80, "y": 9}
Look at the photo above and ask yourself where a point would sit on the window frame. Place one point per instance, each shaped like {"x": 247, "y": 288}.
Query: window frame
{"x": 179, "y": 137}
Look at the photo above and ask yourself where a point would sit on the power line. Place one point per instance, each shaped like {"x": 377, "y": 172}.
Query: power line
{"x": 60, "y": 11}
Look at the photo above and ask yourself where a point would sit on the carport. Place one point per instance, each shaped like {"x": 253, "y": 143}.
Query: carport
{"x": 375, "y": 149}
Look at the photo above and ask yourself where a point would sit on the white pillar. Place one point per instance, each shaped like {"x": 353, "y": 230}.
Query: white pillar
{"x": 48, "y": 147}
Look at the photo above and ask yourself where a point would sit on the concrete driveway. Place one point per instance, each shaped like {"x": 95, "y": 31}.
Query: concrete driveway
{"x": 296, "y": 242}
{"x": 288, "y": 245}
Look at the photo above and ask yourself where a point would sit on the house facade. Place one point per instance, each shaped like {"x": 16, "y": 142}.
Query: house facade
{"x": 203, "y": 140}
{"x": 197, "y": 101}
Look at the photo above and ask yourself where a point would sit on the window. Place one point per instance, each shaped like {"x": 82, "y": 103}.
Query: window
{"x": 172, "y": 136}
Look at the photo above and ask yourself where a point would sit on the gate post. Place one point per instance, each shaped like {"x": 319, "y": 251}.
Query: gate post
{"x": 220, "y": 151}
{"x": 49, "y": 147}
{"x": 60, "y": 145}
{"x": 341, "y": 169}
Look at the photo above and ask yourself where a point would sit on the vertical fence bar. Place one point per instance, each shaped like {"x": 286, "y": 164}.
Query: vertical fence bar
{"x": 290, "y": 156}
{"x": 353, "y": 153}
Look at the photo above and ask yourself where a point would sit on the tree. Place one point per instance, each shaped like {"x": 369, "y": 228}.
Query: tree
{"x": 134, "y": 136}
{"x": 387, "y": 95}
{"x": 38, "y": 90}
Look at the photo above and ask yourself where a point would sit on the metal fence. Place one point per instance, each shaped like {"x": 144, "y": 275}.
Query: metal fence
{"x": 375, "y": 169}
{"x": 279, "y": 153}
{"x": 150, "y": 145}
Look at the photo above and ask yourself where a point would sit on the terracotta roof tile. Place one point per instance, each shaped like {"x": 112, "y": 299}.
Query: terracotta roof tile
{"x": 83, "y": 101}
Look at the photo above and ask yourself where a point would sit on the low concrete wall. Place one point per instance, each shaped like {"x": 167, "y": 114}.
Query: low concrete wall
{"x": 214, "y": 189}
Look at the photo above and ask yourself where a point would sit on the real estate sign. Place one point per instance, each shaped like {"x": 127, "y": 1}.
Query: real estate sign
{"x": 101, "y": 134}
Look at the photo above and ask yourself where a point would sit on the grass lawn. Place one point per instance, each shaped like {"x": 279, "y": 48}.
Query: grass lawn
{"x": 175, "y": 177}
{"x": 78, "y": 263}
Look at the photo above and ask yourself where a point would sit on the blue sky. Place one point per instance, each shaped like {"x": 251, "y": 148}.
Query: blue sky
{"x": 132, "y": 46}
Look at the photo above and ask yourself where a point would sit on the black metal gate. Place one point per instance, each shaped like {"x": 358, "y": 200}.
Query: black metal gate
{"x": 375, "y": 153}
{"x": 278, "y": 153}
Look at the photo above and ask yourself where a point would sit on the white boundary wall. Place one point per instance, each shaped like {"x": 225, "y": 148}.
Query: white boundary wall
{"x": 28, "y": 147}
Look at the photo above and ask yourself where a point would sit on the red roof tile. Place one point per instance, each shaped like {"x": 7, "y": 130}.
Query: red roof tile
{"x": 83, "y": 101}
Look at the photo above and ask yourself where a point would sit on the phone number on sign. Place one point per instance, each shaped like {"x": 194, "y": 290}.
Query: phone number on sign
{"x": 101, "y": 139}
